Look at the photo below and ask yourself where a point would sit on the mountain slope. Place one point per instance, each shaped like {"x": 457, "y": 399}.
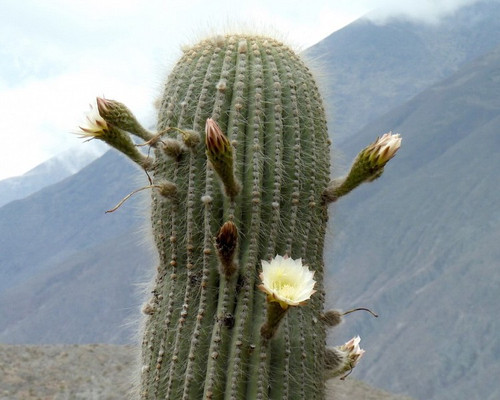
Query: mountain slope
{"x": 51, "y": 171}
{"x": 421, "y": 243}
{"x": 69, "y": 268}
{"x": 369, "y": 67}
{"x": 47, "y": 220}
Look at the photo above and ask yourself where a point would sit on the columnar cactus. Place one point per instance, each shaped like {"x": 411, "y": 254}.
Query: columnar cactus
{"x": 240, "y": 174}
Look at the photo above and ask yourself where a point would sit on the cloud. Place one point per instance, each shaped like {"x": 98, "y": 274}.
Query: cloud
{"x": 41, "y": 115}
{"x": 428, "y": 11}
{"x": 56, "y": 56}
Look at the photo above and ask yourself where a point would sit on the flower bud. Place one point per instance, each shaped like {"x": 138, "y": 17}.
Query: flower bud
{"x": 98, "y": 128}
{"x": 119, "y": 115}
{"x": 383, "y": 149}
{"x": 368, "y": 166}
{"x": 220, "y": 154}
{"x": 226, "y": 243}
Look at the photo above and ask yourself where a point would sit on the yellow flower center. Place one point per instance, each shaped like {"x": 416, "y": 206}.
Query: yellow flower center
{"x": 284, "y": 284}
{"x": 287, "y": 291}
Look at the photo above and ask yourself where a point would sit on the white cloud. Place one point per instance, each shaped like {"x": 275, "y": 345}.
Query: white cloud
{"x": 56, "y": 55}
{"x": 40, "y": 116}
{"x": 429, "y": 11}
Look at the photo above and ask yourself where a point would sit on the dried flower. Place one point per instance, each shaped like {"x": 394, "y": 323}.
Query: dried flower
{"x": 342, "y": 359}
{"x": 286, "y": 281}
{"x": 354, "y": 352}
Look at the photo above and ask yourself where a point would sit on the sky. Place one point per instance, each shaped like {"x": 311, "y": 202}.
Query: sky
{"x": 56, "y": 56}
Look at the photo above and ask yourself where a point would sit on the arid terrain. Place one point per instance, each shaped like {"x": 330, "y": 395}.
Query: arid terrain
{"x": 102, "y": 372}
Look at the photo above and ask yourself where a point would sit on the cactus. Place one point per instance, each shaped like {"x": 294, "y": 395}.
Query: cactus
{"x": 240, "y": 174}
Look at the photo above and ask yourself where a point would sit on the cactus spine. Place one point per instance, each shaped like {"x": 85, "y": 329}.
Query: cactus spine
{"x": 257, "y": 186}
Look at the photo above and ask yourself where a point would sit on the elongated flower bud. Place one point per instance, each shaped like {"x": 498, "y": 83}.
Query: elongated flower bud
{"x": 220, "y": 153}
{"x": 97, "y": 127}
{"x": 119, "y": 115}
{"x": 226, "y": 243}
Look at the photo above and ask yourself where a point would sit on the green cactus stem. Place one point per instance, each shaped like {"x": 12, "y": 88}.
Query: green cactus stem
{"x": 203, "y": 339}
{"x": 252, "y": 188}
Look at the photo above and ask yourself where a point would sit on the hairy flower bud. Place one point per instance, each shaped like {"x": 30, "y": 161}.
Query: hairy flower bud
{"x": 226, "y": 243}
{"x": 119, "y": 115}
{"x": 98, "y": 128}
{"x": 368, "y": 166}
{"x": 220, "y": 154}
{"x": 383, "y": 149}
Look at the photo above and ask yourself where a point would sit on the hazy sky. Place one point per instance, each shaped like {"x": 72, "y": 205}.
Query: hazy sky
{"x": 57, "y": 55}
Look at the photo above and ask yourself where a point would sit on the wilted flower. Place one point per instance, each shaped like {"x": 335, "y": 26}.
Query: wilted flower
{"x": 286, "y": 281}
{"x": 342, "y": 359}
{"x": 354, "y": 352}
{"x": 95, "y": 125}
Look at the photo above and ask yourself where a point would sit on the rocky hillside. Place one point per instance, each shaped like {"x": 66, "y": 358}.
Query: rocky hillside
{"x": 102, "y": 372}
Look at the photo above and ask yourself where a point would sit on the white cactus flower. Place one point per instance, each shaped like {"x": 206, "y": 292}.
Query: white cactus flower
{"x": 287, "y": 281}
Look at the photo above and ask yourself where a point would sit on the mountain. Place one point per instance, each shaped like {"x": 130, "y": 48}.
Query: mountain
{"x": 421, "y": 245}
{"x": 51, "y": 171}
{"x": 65, "y": 263}
{"x": 367, "y": 68}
